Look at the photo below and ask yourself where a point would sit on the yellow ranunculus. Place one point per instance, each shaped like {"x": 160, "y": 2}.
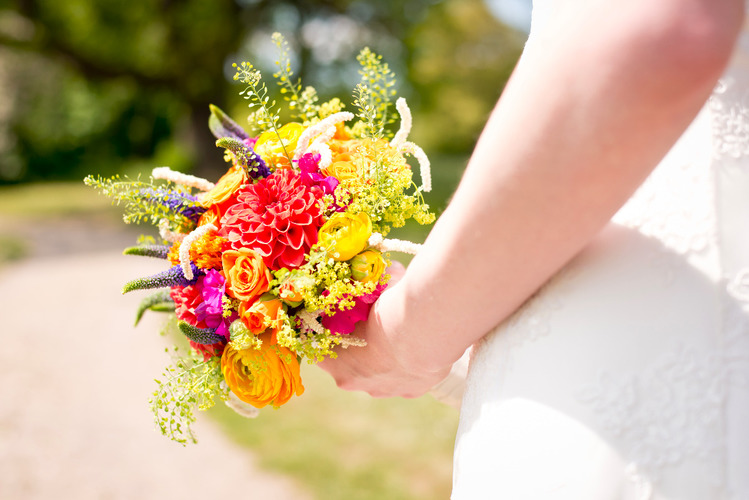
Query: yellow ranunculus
{"x": 345, "y": 235}
{"x": 368, "y": 266}
{"x": 268, "y": 375}
{"x": 274, "y": 151}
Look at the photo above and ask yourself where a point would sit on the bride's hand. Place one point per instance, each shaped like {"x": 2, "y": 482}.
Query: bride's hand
{"x": 382, "y": 368}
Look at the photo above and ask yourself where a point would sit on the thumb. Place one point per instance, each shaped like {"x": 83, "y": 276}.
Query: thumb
{"x": 396, "y": 272}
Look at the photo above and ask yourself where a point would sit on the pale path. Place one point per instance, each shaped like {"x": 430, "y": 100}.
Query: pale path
{"x": 75, "y": 378}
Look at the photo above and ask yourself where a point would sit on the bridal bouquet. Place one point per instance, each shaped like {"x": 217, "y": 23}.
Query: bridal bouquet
{"x": 279, "y": 259}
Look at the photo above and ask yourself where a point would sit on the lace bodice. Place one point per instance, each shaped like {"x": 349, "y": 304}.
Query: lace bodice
{"x": 640, "y": 347}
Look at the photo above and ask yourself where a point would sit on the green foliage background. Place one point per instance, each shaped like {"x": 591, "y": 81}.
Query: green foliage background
{"x": 113, "y": 86}
{"x": 122, "y": 86}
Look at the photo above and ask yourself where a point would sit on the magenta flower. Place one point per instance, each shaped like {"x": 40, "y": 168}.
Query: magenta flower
{"x": 211, "y": 310}
{"x": 309, "y": 166}
{"x": 344, "y": 321}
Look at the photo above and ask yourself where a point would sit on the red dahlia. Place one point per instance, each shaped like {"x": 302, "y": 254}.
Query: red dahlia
{"x": 278, "y": 217}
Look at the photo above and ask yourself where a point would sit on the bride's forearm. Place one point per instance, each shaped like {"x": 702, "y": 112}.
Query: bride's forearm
{"x": 580, "y": 125}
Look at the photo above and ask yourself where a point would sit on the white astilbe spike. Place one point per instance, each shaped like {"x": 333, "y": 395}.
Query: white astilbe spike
{"x": 402, "y": 135}
{"x": 324, "y": 137}
{"x": 320, "y": 147}
{"x": 393, "y": 245}
{"x": 309, "y": 320}
{"x": 170, "y": 175}
{"x": 320, "y": 127}
{"x": 739, "y": 286}
{"x": 375, "y": 240}
{"x": 326, "y": 155}
{"x": 243, "y": 409}
{"x": 184, "y": 248}
{"x": 424, "y": 165}
{"x": 167, "y": 234}
{"x": 351, "y": 341}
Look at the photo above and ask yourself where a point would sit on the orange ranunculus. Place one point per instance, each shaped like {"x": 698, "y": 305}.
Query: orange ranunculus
{"x": 368, "y": 266}
{"x": 268, "y": 375}
{"x": 276, "y": 148}
{"x": 205, "y": 252}
{"x": 225, "y": 188}
{"x": 211, "y": 216}
{"x": 260, "y": 315}
{"x": 246, "y": 275}
{"x": 341, "y": 134}
{"x": 173, "y": 255}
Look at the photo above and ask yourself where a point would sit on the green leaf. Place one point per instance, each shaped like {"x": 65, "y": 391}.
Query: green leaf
{"x": 204, "y": 336}
{"x": 160, "y": 301}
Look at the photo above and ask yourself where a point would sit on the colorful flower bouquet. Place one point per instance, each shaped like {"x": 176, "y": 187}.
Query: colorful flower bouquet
{"x": 280, "y": 258}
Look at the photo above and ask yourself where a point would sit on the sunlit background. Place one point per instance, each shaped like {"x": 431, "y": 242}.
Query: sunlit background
{"x": 122, "y": 86}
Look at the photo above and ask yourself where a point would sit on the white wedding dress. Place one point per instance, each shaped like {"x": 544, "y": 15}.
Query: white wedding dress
{"x": 627, "y": 375}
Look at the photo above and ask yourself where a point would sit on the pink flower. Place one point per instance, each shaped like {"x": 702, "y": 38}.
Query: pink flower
{"x": 311, "y": 176}
{"x": 211, "y": 310}
{"x": 344, "y": 321}
{"x": 191, "y": 307}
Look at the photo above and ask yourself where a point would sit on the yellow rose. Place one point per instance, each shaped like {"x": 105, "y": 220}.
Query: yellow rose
{"x": 246, "y": 275}
{"x": 368, "y": 266}
{"x": 271, "y": 149}
{"x": 345, "y": 235}
{"x": 226, "y": 186}
{"x": 268, "y": 375}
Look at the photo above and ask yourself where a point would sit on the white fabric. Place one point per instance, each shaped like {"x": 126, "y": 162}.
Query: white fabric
{"x": 627, "y": 375}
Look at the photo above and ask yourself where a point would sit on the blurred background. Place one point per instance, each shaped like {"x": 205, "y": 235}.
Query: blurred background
{"x": 122, "y": 86}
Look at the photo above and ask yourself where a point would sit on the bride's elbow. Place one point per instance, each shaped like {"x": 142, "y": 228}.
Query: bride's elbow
{"x": 695, "y": 40}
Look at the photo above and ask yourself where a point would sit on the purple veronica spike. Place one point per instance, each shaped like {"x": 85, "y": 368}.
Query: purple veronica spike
{"x": 203, "y": 336}
{"x": 156, "y": 251}
{"x": 169, "y": 278}
{"x": 181, "y": 203}
{"x": 223, "y": 126}
{"x": 246, "y": 157}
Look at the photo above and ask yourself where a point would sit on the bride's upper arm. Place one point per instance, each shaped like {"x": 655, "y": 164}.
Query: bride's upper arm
{"x": 693, "y": 37}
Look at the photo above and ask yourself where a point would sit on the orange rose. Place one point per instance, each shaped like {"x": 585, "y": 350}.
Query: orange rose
{"x": 293, "y": 287}
{"x": 261, "y": 315}
{"x": 290, "y": 293}
{"x": 268, "y": 375}
{"x": 225, "y": 188}
{"x": 246, "y": 276}
{"x": 342, "y": 167}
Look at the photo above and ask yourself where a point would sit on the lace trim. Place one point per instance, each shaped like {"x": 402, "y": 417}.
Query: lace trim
{"x": 669, "y": 412}
{"x": 532, "y": 321}
{"x": 729, "y": 107}
{"x": 658, "y": 208}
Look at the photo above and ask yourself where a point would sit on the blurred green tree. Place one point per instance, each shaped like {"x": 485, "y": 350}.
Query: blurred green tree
{"x": 110, "y": 85}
